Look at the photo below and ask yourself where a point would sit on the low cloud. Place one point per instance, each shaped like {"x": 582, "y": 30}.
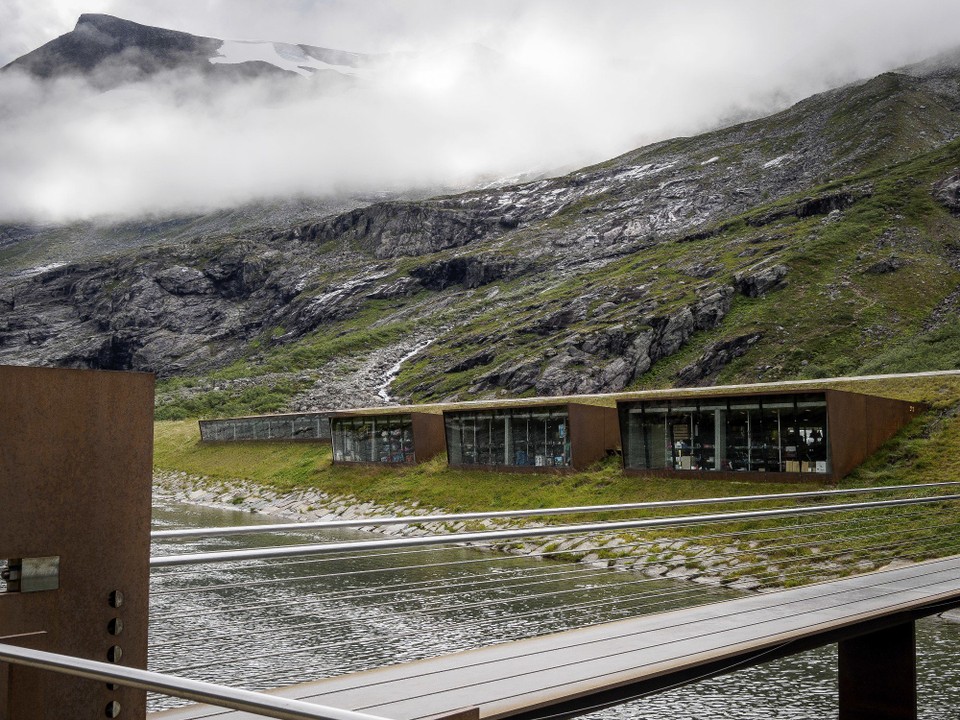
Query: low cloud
{"x": 518, "y": 88}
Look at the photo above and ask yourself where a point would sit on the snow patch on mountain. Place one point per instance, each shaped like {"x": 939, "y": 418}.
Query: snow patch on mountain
{"x": 778, "y": 161}
{"x": 285, "y": 56}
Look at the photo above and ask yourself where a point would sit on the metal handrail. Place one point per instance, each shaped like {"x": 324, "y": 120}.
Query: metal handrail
{"x": 245, "y": 700}
{"x": 339, "y": 547}
{"x": 494, "y": 514}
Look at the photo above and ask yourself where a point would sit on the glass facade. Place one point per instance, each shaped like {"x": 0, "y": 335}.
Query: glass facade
{"x": 529, "y": 437}
{"x": 373, "y": 438}
{"x": 308, "y": 426}
{"x": 772, "y": 433}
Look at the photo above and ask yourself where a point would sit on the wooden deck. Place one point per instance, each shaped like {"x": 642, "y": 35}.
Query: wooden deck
{"x": 567, "y": 671}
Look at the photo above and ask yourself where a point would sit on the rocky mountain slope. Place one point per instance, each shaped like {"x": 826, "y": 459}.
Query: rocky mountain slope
{"x": 822, "y": 239}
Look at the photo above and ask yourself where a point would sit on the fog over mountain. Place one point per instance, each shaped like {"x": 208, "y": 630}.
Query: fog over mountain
{"x": 460, "y": 94}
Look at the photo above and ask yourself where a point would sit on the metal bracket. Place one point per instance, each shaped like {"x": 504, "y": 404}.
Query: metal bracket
{"x": 30, "y": 574}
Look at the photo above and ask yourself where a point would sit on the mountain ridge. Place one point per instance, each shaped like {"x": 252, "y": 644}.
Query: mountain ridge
{"x": 772, "y": 249}
{"x": 109, "y": 51}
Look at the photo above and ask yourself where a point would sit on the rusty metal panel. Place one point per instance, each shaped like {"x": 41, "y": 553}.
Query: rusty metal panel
{"x": 593, "y": 431}
{"x": 75, "y": 482}
{"x": 846, "y": 420}
{"x": 429, "y": 437}
{"x": 859, "y": 425}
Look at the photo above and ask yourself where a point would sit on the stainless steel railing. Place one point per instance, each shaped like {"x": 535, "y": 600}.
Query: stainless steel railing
{"x": 528, "y": 532}
{"x": 259, "y": 703}
{"x": 536, "y": 512}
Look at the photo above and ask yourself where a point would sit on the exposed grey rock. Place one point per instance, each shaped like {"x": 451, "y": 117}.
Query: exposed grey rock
{"x": 673, "y": 330}
{"x": 712, "y": 308}
{"x": 522, "y": 373}
{"x": 760, "y": 279}
{"x": 947, "y": 192}
{"x": 612, "y": 342}
{"x": 701, "y": 270}
{"x": 575, "y": 311}
{"x": 468, "y": 271}
{"x": 179, "y": 280}
{"x": 715, "y": 358}
{"x": 610, "y": 358}
{"x": 397, "y": 229}
{"x": 482, "y": 358}
{"x": 402, "y": 287}
{"x": 655, "y": 570}
{"x": 747, "y": 582}
{"x": 822, "y": 204}
{"x": 239, "y": 272}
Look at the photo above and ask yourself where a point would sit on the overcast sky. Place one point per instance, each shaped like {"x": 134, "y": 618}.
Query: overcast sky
{"x": 577, "y": 82}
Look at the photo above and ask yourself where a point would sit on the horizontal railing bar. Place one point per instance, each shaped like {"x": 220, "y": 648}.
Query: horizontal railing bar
{"x": 540, "y": 576}
{"x": 196, "y": 690}
{"x": 494, "y": 514}
{"x": 456, "y": 538}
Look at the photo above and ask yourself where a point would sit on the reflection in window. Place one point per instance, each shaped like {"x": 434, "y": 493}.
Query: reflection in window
{"x": 308, "y": 426}
{"x": 373, "y": 438}
{"x": 782, "y": 433}
{"x": 537, "y": 437}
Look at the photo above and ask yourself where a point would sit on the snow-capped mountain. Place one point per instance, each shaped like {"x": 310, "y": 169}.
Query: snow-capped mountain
{"x": 110, "y": 51}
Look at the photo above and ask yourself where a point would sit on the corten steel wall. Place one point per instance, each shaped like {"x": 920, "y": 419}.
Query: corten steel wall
{"x": 75, "y": 481}
{"x": 857, "y": 425}
{"x": 286, "y": 427}
{"x": 593, "y": 431}
{"x": 429, "y": 436}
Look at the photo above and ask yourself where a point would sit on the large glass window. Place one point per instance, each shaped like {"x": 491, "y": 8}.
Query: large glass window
{"x": 777, "y": 433}
{"x": 373, "y": 438}
{"x": 537, "y": 437}
{"x": 308, "y": 426}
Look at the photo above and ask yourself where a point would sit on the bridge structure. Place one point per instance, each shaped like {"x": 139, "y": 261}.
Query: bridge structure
{"x": 564, "y": 674}
{"x": 570, "y": 673}
{"x": 47, "y": 668}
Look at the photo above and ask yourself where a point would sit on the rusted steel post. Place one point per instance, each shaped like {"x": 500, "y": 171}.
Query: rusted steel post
{"x": 878, "y": 675}
{"x": 75, "y": 482}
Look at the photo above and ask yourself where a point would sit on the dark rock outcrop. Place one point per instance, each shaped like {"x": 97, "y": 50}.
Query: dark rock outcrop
{"x": 822, "y": 204}
{"x": 468, "y": 271}
{"x": 388, "y": 230}
{"x": 886, "y": 265}
{"x": 947, "y": 192}
{"x": 110, "y": 50}
{"x": 480, "y": 359}
{"x": 610, "y": 359}
{"x": 716, "y": 357}
{"x": 760, "y": 279}
{"x": 239, "y": 272}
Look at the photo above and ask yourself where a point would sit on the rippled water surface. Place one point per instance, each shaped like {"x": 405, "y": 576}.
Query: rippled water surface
{"x": 261, "y": 625}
